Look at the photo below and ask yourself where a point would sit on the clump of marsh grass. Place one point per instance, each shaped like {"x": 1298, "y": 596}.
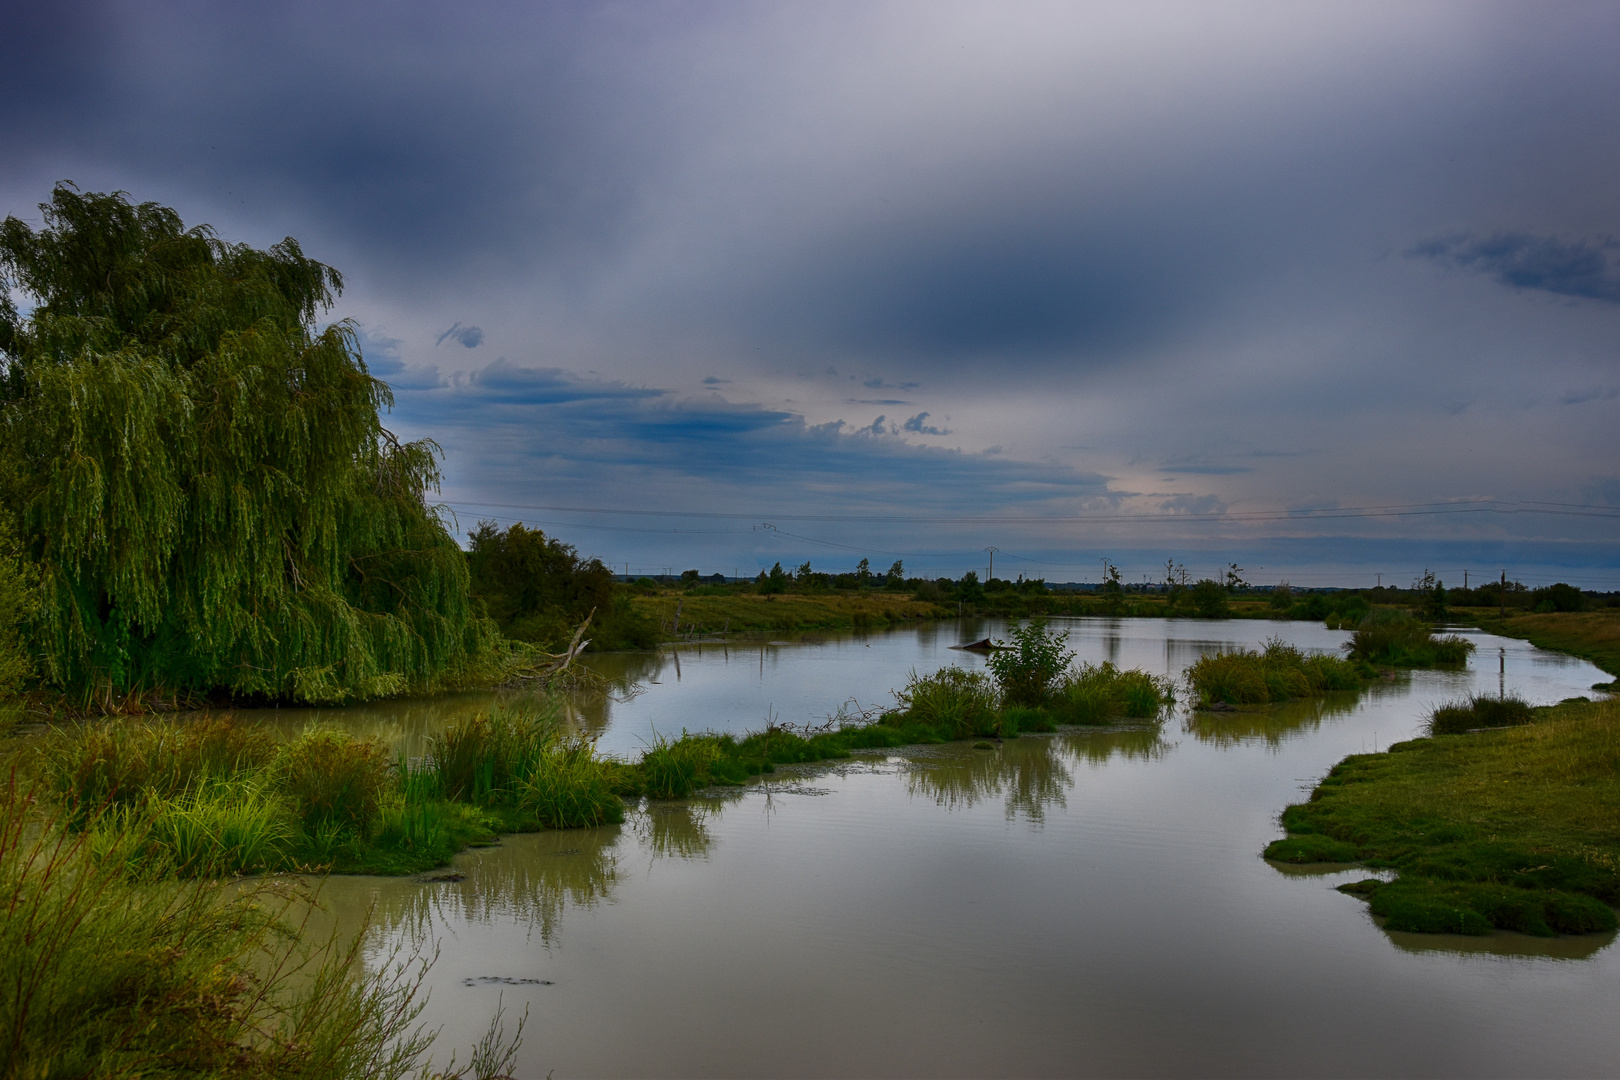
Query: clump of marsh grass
{"x": 1397, "y": 639}
{"x": 1097, "y": 693}
{"x": 1479, "y": 711}
{"x": 125, "y": 762}
{"x": 1277, "y": 672}
{"x": 519, "y": 760}
{"x": 483, "y": 758}
{"x": 334, "y": 779}
{"x": 115, "y": 970}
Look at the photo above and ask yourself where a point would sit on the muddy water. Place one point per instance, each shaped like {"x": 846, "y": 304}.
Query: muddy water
{"x": 1080, "y": 904}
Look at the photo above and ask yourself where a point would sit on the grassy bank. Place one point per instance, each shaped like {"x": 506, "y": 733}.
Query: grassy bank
{"x": 212, "y": 796}
{"x": 743, "y": 612}
{"x": 114, "y": 969}
{"x": 1516, "y": 828}
{"x": 1590, "y": 635}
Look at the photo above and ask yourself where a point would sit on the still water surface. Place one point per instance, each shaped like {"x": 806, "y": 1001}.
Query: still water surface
{"x": 1081, "y": 904}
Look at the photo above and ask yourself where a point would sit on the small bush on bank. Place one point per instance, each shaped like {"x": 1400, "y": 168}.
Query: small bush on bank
{"x": 1478, "y": 711}
{"x": 1026, "y": 671}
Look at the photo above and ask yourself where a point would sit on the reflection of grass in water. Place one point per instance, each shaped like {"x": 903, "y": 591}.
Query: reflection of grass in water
{"x": 1101, "y": 747}
{"x": 1026, "y": 771}
{"x": 678, "y": 831}
{"x": 1274, "y": 724}
{"x": 532, "y": 878}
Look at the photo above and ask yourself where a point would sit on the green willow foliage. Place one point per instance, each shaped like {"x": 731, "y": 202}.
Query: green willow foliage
{"x": 200, "y": 476}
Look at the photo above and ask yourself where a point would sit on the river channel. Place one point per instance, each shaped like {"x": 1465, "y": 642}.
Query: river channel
{"x": 1086, "y": 903}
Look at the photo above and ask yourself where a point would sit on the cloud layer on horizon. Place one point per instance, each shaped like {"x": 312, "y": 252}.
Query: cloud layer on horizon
{"x": 1252, "y": 258}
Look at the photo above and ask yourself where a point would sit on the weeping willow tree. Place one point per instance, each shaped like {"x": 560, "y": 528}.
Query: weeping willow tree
{"x": 199, "y": 477}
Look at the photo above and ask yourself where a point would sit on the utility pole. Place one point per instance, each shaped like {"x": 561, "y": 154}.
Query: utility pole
{"x": 1465, "y": 581}
{"x": 1502, "y": 596}
{"x": 992, "y": 572}
{"x": 1380, "y": 580}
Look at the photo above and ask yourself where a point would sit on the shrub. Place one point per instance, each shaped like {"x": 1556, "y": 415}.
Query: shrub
{"x": 1478, "y": 711}
{"x": 1096, "y": 693}
{"x": 1209, "y": 599}
{"x": 1395, "y": 638}
{"x": 1026, "y": 671}
{"x": 961, "y": 703}
{"x": 1278, "y": 672}
{"x": 1559, "y": 597}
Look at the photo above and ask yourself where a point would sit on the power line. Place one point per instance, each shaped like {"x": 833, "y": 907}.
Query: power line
{"x": 1491, "y": 506}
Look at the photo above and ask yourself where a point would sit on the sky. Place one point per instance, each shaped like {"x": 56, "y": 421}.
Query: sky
{"x": 1330, "y": 291}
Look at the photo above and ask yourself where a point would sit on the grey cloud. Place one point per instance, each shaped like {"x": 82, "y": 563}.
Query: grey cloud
{"x": 1206, "y": 470}
{"x": 602, "y": 442}
{"x": 1577, "y": 268}
{"x": 711, "y": 380}
{"x": 1595, "y": 393}
{"x": 920, "y": 425}
{"x": 1194, "y": 504}
{"x": 468, "y": 337}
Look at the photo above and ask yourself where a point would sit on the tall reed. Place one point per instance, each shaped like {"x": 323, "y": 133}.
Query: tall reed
{"x": 114, "y": 972}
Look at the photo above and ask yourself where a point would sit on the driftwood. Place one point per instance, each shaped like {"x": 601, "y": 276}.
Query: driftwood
{"x": 556, "y": 666}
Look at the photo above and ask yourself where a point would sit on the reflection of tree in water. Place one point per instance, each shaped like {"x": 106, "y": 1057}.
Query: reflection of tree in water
{"x": 1025, "y": 771}
{"x": 675, "y": 830}
{"x": 617, "y": 677}
{"x": 1273, "y": 723}
{"x": 532, "y": 878}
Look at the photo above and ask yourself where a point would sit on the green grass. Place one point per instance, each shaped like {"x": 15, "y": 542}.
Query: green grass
{"x": 1279, "y": 672}
{"x": 212, "y": 797}
{"x": 1515, "y": 829}
{"x": 115, "y": 969}
{"x": 785, "y": 613}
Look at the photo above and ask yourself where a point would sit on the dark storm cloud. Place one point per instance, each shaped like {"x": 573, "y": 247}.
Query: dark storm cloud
{"x": 1113, "y": 232}
{"x": 600, "y": 439}
{"x": 468, "y": 337}
{"x": 1550, "y": 264}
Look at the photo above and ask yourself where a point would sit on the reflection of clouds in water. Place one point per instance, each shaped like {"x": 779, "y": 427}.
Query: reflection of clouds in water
{"x": 532, "y": 878}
